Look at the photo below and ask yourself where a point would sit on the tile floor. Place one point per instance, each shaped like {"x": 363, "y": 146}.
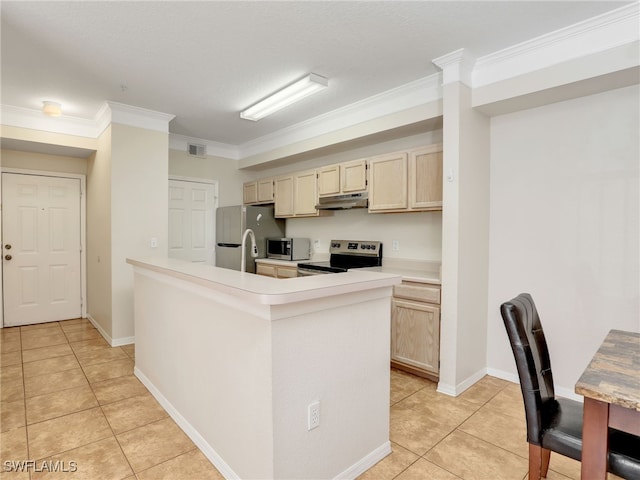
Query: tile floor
{"x": 68, "y": 396}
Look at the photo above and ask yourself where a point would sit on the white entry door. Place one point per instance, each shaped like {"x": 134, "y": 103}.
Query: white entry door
{"x": 41, "y": 249}
{"x": 192, "y": 208}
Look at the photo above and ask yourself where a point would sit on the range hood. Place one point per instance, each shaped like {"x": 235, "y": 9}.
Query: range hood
{"x": 344, "y": 202}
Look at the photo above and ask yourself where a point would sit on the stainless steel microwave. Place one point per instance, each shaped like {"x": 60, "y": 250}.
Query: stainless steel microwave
{"x": 288, "y": 248}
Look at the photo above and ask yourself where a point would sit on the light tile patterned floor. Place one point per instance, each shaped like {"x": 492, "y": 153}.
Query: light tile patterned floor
{"x": 67, "y": 395}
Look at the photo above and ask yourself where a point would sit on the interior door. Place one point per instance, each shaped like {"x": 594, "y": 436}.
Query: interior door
{"x": 192, "y": 221}
{"x": 41, "y": 248}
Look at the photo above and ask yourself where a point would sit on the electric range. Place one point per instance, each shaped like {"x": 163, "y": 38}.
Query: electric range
{"x": 345, "y": 254}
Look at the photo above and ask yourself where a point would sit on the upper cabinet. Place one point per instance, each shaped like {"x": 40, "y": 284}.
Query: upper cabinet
{"x": 283, "y": 193}
{"x": 258, "y": 192}
{"x": 388, "y": 188}
{"x": 406, "y": 181}
{"x": 348, "y": 177}
{"x": 425, "y": 178}
{"x": 296, "y": 195}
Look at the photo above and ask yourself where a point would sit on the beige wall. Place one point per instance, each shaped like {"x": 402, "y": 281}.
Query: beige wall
{"x": 99, "y": 233}
{"x": 139, "y": 211}
{"x": 565, "y": 213}
{"x": 43, "y": 162}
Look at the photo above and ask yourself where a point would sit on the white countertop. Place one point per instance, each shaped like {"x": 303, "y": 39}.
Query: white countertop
{"x": 285, "y": 263}
{"x": 266, "y": 290}
{"x": 409, "y": 275}
{"x": 425, "y": 272}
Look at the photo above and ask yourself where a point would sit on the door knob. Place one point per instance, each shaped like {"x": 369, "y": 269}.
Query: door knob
{"x": 7, "y": 257}
{"x": 8, "y": 246}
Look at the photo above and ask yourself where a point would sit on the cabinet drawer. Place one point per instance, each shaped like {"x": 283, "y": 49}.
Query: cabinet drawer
{"x": 287, "y": 272}
{"x": 264, "y": 269}
{"x": 417, "y": 291}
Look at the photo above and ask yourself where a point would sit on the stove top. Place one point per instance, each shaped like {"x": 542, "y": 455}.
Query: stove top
{"x": 346, "y": 254}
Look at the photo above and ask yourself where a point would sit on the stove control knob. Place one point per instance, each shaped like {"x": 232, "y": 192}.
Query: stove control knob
{"x": 373, "y": 247}
{"x": 362, "y": 247}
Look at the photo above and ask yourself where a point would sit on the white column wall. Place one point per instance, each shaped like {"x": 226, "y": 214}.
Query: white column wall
{"x": 139, "y": 211}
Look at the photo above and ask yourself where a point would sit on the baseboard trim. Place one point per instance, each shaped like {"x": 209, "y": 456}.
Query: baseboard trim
{"x": 208, "y": 451}
{"x": 455, "y": 390}
{"x": 117, "y": 342}
{"x": 366, "y": 462}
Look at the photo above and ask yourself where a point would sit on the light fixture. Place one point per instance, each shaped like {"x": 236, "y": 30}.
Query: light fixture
{"x": 51, "y": 109}
{"x": 304, "y": 87}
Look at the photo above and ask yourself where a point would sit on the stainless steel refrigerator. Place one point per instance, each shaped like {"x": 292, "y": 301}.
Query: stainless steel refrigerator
{"x": 231, "y": 222}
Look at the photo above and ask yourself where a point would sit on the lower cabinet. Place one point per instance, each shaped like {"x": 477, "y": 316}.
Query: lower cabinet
{"x": 276, "y": 271}
{"x": 415, "y": 329}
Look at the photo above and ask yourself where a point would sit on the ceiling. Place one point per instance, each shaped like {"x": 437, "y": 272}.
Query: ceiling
{"x": 205, "y": 61}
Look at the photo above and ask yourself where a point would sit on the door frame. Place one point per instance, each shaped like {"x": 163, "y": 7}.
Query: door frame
{"x": 83, "y": 233}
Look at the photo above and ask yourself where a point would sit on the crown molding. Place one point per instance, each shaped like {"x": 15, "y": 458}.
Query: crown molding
{"x": 139, "y": 117}
{"x": 603, "y": 32}
{"x": 456, "y": 66}
{"x": 413, "y": 94}
{"x": 36, "y": 120}
{"x": 213, "y": 149}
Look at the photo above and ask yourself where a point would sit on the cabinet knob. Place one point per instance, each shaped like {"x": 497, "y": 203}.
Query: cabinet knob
{"x": 7, "y": 257}
{"x": 8, "y": 246}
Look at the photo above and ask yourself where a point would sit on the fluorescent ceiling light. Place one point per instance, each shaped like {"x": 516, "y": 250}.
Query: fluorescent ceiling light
{"x": 304, "y": 87}
{"x": 51, "y": 109}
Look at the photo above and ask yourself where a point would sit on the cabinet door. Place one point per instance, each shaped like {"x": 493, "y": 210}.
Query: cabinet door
{"x": 267, "y": 270}
{"x": 265, "y": 190}
{"x": 287, "y": 272}
{"x": 415, "y": 334}
{"x": 283, "y": 196}
{"x": 306, "y": 193}
{"x": 354, "y": 176}
{"x": 329, "y": 180}
{"x": 250, "y": 193}
{"x": 388, "y": 182}
{"x": 425, "y": 179}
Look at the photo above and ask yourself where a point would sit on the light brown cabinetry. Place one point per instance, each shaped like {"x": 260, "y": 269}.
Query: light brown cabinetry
{"x": 388, "y": 187}
{"x": 305, "y": 190}
{"x": 296, "y": 195}
{"x": 415, "y": 328}
{"x": 276, "y": 271}
{"x": 347, "y": 177}
{"x": 258, "y": 192}
{"x": 425, "y": 178}
{"x": 283, "y": 196}
{"x": 406, "y": 181}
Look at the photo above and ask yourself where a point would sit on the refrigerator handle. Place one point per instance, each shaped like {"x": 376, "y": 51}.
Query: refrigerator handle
{"x": 229, "y": 245}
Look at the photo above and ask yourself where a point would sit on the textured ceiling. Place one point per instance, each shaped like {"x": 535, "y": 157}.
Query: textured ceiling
{"x": 205, "y": 61}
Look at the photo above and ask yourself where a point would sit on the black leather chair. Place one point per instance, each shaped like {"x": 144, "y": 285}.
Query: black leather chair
{"x": 554, "y": 424}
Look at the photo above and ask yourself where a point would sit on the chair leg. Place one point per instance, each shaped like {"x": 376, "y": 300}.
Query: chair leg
{"x": 538, "y": 462}
{"x": 546, "y": 456}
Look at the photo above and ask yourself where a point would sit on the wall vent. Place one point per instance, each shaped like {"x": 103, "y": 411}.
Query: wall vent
{"x": 196, "y": 150}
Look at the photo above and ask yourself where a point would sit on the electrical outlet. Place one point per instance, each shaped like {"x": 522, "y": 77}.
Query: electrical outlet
{"x": 395, "y": 245}
{"x": 313, "y": 419}
{"x": 154, "y": 242}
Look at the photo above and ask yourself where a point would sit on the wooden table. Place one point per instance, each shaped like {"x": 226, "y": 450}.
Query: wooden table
{"x": 611, "y": 389}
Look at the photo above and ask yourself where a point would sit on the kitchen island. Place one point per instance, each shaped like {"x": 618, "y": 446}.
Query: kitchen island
{"x": 237, "y": 360}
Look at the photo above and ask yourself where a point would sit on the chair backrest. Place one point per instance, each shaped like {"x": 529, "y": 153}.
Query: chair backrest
{"x": 532, "y": 359}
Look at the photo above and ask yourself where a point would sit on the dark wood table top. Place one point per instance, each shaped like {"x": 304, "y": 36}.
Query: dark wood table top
{"x": 613, "y": 376}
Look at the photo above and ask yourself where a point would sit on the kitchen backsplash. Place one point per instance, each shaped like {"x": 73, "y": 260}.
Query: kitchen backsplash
{"x": 418, "y": 235}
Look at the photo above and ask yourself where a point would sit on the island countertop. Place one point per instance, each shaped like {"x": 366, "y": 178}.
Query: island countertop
{"x": 265, "y": 290}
